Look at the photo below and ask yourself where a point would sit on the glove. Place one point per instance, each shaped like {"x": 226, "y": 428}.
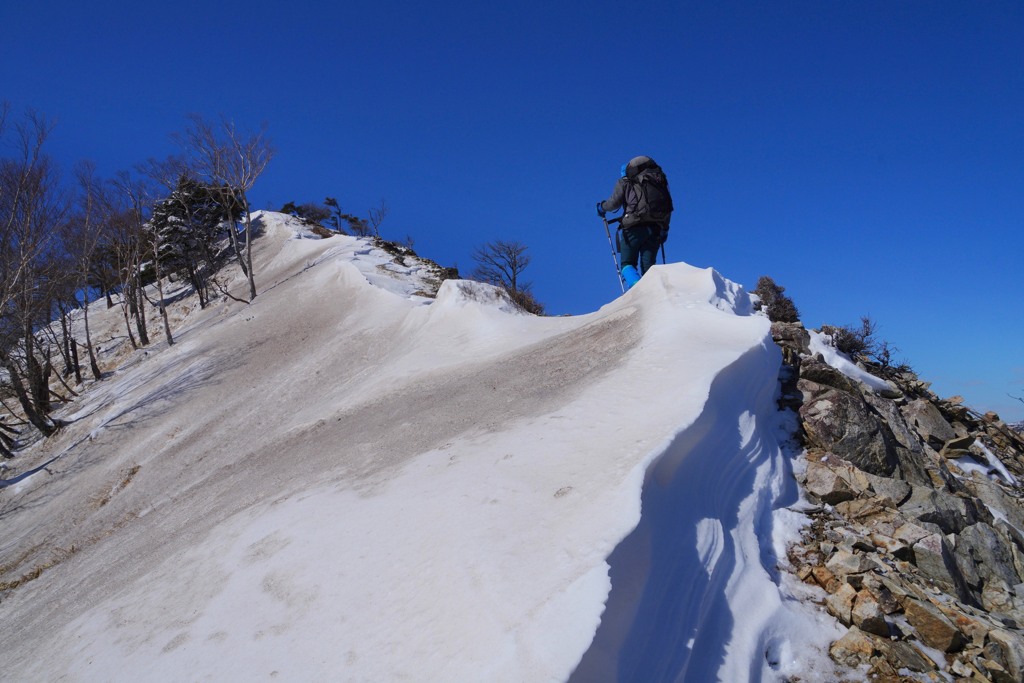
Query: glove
{"x": 600, "y": 209}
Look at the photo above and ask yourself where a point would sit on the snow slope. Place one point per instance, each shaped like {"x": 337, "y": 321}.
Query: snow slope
{"x": 347, "y": 481}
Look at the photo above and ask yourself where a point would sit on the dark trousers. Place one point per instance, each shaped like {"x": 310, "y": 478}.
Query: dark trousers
{"x": 638, "y": 246}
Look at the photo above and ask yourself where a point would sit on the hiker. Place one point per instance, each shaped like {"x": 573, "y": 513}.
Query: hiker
{"x": 642, "y": 193}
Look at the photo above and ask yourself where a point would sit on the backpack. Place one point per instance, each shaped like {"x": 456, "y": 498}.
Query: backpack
{"x": 647, "y": 197}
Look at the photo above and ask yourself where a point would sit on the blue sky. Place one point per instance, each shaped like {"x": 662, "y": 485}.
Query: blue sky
{"x": 869, "y": 156}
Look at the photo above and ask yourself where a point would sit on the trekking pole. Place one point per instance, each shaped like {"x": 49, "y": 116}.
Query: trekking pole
{"x": 615, "y": 257}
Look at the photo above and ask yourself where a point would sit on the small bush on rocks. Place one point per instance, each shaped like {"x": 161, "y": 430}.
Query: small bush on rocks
{"x": 778, "y": 306}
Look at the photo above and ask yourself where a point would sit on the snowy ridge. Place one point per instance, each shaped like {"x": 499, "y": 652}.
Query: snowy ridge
{"x": 344, "y": 481}
{"x": 696, "y": 597}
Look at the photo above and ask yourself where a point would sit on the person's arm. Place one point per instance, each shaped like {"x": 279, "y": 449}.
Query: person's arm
{"x": 618, "y": 198}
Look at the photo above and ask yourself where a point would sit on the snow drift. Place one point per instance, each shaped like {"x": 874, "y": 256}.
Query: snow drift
{"x": 347, "y": 481}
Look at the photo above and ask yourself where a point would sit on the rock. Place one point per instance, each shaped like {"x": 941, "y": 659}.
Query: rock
{"x": 1011, "y": 647}
{"x": 949, "y": 513}
{"x": 957, "y": 447}
{"x": 840, "y": 422}
{"x": 928, "y": 422}
{"x": 840, "y": 604}
{"x": 853, "y": 649}
{"x": 973, "y": 629}
{"x": 825, "y": 579}
{"x": 895, "y": 491}
{"x": 995, "y": 496}
{"x": 904, "y": 655}
{"x": 934, "y": 558}
{"x": 1004, "y": 602}
{"x": 911, "y": 533}
{"x": 867, "y": 614}
{"x": 997, "y": 672}
{"x": 890, "y": 412}
{"x": 932, "y": 626}
{"x": 844, "y": 563}
{"x": 827, "y": 485}
{"x": 868, "y": 511}
{"x": 890, "y": 392}
{"x": 820, "y": 372}
{"x": 883, "y": 596}
{"x": 793, "y": 336}
{"x": 989, "y": 552}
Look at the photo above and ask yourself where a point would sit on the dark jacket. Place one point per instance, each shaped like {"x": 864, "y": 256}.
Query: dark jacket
{"x": 622, "y": 198}
{"x": 618, "y": 198}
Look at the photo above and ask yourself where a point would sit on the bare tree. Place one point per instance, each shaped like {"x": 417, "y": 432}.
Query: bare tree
{"x": 31, "y": 209}
{"x": 502, "y": 263}
{"x": 83, "y": 237}
{"x": 377, "y": 216}
{"x": 134, "y": 250}
{"x": 232, "y": 161}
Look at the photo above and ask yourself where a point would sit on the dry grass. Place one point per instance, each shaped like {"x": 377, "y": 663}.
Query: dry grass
{"x": 59, "y": 556}
{"x": 104, "y": 498}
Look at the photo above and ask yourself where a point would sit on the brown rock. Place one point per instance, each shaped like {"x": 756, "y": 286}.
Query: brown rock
{"x": 825, "y": 579}
{"x": 853, "y": 649}
{"x": 885, "y": 598}
{"x": 866, "y": 510}
{"x": 890, "y": 545}
{"x": 932, "y": 626}
{"x": 957, "y": 447}
{"x": 972, "y": 628}
{"x": 867, "y": 614}
{"x": 840, "y": 604}
{"x": 844, "y": 563}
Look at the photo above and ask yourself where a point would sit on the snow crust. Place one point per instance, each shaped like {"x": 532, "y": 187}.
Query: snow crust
{"x": 822, "y": 343}
{"x": 348, "y": 481}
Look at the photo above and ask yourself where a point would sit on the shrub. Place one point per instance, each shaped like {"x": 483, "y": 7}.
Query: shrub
{"x": 861, "y": 343}
{"x": 525, "y": 301}
{"x": 854, "y": 342}
{"x": 778, "y": 306}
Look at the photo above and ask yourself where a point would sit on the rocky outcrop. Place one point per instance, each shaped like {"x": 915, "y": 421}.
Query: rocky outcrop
{"x": 917, "y": 537}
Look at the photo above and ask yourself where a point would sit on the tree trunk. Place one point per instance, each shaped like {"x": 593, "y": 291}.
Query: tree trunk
{"x": 139, "y": 309}
{"x": 128, "y": 297}
{"x": 197, "y": 281}
{"x": 66, "y": 343}
{"x": 233, "y": 236}
{"x": 93, "y": 365}
{"x": 160, "y": 293}
{"x": 40, "y": 422}
{"x": 74, "y": 358}
{"x": 248, "y": 250}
